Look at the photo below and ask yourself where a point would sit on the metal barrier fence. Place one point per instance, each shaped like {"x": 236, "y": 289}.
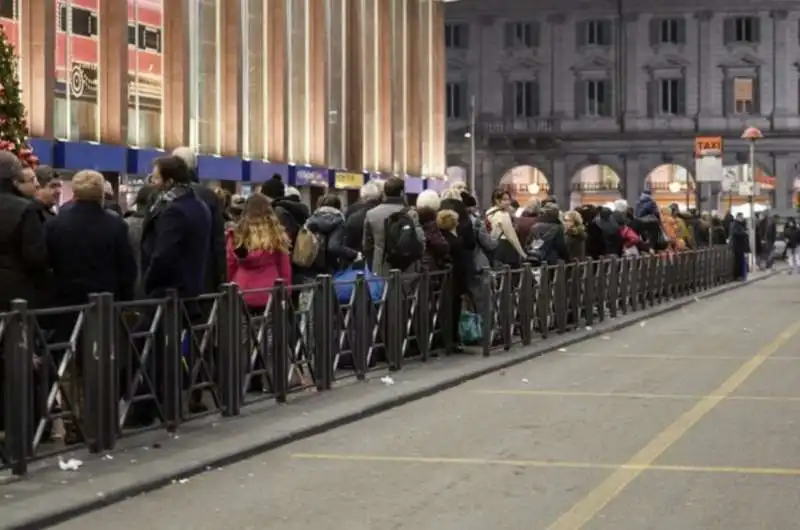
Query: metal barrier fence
{"x": 92, "y": 373}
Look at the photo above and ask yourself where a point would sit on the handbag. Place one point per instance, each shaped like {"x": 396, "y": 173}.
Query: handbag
{"x": 470, "y": 327}
{"x": 344, "y": 284}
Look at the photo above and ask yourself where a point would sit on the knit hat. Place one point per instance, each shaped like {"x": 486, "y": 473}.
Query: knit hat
{"x": 274, "y": 188}
{"x": 291, "y": 192}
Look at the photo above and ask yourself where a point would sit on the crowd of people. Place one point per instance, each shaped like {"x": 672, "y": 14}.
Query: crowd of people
{"x": 182, "y": 235}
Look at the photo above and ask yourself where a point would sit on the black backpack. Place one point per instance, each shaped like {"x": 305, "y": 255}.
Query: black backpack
{"x": 402, "y": 247}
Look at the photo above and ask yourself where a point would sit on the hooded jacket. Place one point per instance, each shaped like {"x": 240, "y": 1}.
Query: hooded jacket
{"x": 646, "y": 206}
{"x": 328, "y": 224}
{"x": 256, "y": 270}
{"x": 292, "y": 215}
{"x": 550, "y": 230}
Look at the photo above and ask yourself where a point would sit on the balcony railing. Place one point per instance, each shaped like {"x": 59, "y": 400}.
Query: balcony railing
{"x": 519, "y": 126}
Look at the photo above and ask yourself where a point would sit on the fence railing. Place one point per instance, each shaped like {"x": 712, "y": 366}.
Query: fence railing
{"x": 92, "y": 373}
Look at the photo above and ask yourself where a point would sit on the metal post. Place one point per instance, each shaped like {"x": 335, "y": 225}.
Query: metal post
{"x": 472, "y": 145}
{"x": 752, "y": 224}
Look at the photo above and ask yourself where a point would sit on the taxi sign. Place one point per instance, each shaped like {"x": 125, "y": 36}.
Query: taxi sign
{"x": 707, "y": 143}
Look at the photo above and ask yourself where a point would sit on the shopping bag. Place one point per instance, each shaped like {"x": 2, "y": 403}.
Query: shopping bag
{"x": 470, "y": 327}
{"x": 344, "y": 284}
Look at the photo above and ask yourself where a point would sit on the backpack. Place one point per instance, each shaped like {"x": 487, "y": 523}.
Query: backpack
{"x": 306, "y": 247}
{"x": 402, "y": 248}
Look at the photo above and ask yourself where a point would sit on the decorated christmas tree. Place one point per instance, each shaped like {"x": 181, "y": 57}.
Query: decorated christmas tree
{"x": 13, "y": 126}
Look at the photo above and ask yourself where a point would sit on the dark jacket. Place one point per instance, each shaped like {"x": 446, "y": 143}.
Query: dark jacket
{"x": 328, "y": 224}
{"x": 550, "y": 231}
{"x": 175, "y": 243}
{"x": 216, "y": 260}
{"x": 292, "y": 215}
{"x": 437, "y": 251}
{"x": 135, "y": 221}
{"x": 610, "y": 238}
{"x": 576, "y": 242}
{"x": 465, "y": 231}
{"x": 90, "y": 253}
{"x": 740, "y": 240}
{"x": 791, "y": 235}
{"x": 354, "y": 223}
{"x": 646, "y": 206}
{"x": 23, "y": 253}
{"x": 45, "y": 212}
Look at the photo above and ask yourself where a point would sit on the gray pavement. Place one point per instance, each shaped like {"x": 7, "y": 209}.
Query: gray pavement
{"x": 687, "y": 421}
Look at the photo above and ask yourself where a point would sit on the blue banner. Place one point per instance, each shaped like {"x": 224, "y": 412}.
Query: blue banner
{"x": 43, "y": 148}
{"x": 140, "y": 161}
{"x": 437, "y": 185}
{"x": 311, "y": 176}
{"x": 219, "y": 168}
{"x": 262, "y": 171}
{"x": 88, "y": 155}
{"x": 414, "y": 185}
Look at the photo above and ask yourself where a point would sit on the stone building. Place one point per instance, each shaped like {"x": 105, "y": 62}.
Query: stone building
{"x": 607, "y": 98}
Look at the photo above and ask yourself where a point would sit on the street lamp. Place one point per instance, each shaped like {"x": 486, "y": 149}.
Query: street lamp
{"x": 471, "y": 136}
{"x": 533, "y": 188}
{"x": 752, "y": 135}
{"x": 674, "y": 186}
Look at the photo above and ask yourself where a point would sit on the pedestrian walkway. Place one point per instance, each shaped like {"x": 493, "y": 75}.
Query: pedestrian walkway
{"x": 684, "y": 421}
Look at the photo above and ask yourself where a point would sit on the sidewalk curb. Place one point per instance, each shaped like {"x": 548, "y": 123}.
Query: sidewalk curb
{"x": 501, "y": 362}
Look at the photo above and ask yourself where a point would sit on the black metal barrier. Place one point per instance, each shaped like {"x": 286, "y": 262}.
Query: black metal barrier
{"x": 92, "y": 373}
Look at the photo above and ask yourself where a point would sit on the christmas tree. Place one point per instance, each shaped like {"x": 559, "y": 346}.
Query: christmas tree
{"x": 13, "y": 126}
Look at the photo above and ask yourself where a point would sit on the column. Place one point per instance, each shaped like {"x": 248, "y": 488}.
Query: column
{"x": 633, "y": 179}
{"x": 433, "y": 71}
{"x": 316, "y": 89}
{"x": 413, "y": 86}
{"x": 231, "y": 48}
{"x": 274, "y": 86}
{"x": 783, "y": 66}
{"x": 113, "y": 72}
{"x": 706, "y": 80}
{"x": 37, "y": 79}
{"x": 384, "y": 125}
{"x": 784, "y": 182}
{"x": 352, "y": 114}
{"x": 559, "y": 77}
{"x": 630, "y": 69}
{"x": 560, "y": 182}
{"x": 175, "y": 106}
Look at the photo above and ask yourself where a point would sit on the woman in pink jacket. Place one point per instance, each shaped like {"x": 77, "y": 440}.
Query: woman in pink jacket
{"x": 258, "y": 252}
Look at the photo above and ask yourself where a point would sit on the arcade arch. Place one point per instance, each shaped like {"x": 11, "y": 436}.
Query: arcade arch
{"x": 672, "y": 184}
{"x": 526, "y": 183}
{"x": 597, "y": 184}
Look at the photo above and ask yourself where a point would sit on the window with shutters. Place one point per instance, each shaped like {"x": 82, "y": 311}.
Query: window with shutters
{"x": 526, "y": 99}
{"x": 598, "y": 98}
{"x": 522, "y": 35}
{"x": 455, "y": 36}
{"x": 455, "y": 101}
{"x": 744, "y": 30}
{"x": 597, "y": 33}
{"x": 744, "y": 95}
{"x": 670, "y": 97}
{"x": 668, "y": 31}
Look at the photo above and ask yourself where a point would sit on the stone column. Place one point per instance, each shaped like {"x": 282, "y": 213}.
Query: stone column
{"x": 231, "y": 49}
{"x": 414, "y": 119}
{"x": 384, "y": 115}
{"x": 706, "y": 69}
{"x": 275, "y": 62}
{"x": 316, "y": 90}
{"x": 37, "y": 78}
{"x": 432, "y": 61}
{"x": 175, "y": 104}
{"x": 560, "y": 182}
{"x": 784, "y": 182}
{"x": 559, "y": 75}
{"x": 113, "y": 72}
{"x": 633, "y": 179}
{"x": 353, "y": 113}
{"x": 783, "y": 67}
{"x": 630, "y": 106}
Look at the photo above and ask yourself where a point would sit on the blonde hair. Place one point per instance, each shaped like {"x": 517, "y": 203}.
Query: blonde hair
{"x": 259, "y": 228}
{"x": 447, "y": 220}
{"x": 574, "y": 218}
{"x": 88, "y": 185}
{"x": 451, "y": 193}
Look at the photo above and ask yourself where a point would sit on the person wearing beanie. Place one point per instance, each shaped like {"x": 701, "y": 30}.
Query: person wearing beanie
{"x": 274, "y": 188}
{"x": 292, "y": 193}
{"x": 217, "y": 266}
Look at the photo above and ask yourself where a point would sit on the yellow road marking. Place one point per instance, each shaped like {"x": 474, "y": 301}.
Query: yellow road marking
{"x": 630, "y": 395}
{"x": 582, "y": 512}
{"x": 554, "y": 464}
{"x": 676, "y": 357}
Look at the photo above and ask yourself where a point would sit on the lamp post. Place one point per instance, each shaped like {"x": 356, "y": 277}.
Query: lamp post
{"x": 752, "y": 135}
{"x": 471, "y": 135}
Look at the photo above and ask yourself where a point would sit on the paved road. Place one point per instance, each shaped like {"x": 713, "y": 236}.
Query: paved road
{"x": 688, "y": 421}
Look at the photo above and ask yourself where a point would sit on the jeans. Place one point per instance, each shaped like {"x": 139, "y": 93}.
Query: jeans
{"x": 793, "y": 259}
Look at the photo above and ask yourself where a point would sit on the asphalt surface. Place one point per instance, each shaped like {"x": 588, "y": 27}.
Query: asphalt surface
{"x": 686, "y": 421}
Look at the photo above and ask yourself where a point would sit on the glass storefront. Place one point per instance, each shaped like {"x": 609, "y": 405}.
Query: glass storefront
{"x": 145, "y": 72}
{"x": 77, "y": 51}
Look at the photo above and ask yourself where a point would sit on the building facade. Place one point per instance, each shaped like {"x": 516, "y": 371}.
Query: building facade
{"x": 569, "y": 84}
{"x": 352, "y": 84}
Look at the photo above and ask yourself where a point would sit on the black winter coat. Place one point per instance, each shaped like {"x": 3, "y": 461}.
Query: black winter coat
{"x": 24, "y": 269}
{"x": 354, "y": 224}
{"x": 90, "y": 253}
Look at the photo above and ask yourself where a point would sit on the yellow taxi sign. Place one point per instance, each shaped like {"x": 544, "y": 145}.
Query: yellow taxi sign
{"x": 707, "y": 143}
